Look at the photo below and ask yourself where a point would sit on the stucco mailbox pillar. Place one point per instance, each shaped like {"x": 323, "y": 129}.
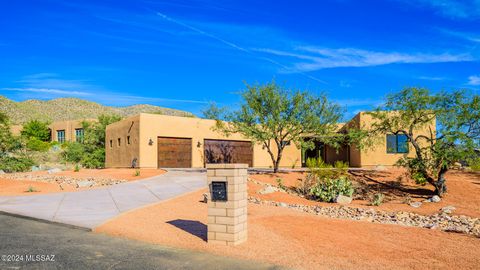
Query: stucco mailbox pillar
{"x": 227, "y": 206}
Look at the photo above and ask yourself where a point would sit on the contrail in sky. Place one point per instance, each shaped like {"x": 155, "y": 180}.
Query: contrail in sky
{"x": 233, "y": 45}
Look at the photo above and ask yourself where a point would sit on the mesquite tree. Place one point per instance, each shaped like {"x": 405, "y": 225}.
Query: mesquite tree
{"x": 274, "y": 117}
{"x": 455, "y": 138}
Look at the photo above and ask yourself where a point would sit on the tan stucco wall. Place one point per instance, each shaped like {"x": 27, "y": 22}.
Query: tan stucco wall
{"x": 152, "y": 126}
{"x": 123, "y": 155}
{"x": 377, "y": 155}
{"x": 69, "y": 127}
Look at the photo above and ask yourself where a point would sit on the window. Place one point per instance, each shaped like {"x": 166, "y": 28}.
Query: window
{"x": 397, "y": 143}
{"x": 119, "y": 141}
{"x": 61, "y": 136}
{"x": 79, "y": 135}
{"x": 128, "y": 139}
{"x": 111, "y": 143}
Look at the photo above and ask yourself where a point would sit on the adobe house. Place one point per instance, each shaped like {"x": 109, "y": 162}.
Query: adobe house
{"x": 68, "y": 131}
{"x": 161, "y": 141}
{"x": 62, "y": 131}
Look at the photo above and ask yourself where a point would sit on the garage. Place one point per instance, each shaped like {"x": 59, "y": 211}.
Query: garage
{"x": 227, "y": 151}
{"x": 174, "y": 152}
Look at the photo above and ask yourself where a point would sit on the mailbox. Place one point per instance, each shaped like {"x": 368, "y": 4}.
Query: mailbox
{"x": 219, "y": 191}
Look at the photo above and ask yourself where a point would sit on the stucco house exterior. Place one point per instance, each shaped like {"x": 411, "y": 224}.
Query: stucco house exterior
{"x": 160, "y": 141}
{"x": 61, "y": 131}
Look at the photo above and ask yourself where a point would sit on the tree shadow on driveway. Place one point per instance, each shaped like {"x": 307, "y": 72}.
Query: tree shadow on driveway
{"x": 191, "y": 226}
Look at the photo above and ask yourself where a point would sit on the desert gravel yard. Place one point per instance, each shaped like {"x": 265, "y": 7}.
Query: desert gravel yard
{"x": 463, "y": 194}
{"x": 40, "y": 182}
{"x": 300, "y": 240}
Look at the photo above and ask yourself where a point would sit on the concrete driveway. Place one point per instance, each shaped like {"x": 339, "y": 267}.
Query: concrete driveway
{"x": 91, "y": 208}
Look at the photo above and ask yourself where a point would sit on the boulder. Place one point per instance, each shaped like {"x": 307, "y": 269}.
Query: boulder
{"x": 341, "y": 199}
{"x": 435, "y": 199}
{"x": 2, "y": 172}
{"x": 268, "y": 190}
{"x": 448, "y": 209}
{"x": 282, "y": 204}
{"x": 85, "y": 183}
{"x": 54, "y": 170}
{"x": 416, "y": 204}
{"x": 35, "y": 168}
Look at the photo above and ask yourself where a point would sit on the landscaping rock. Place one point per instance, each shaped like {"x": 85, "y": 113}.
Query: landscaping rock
{"x": 341, "y": 199}
{"x": 35, "y": 168}
{"x": 81, "y": 184}
{"x": 416, "y": 204}
{"x": 442, "y": 221}
{"x": 282, "y": 204}
{"x": 435, "y": 199}
{"x": 54, "y": 170}
{"x": 268, "y": 190}
{"x": 447, "y": 209}
{"x": 2, "y": 172}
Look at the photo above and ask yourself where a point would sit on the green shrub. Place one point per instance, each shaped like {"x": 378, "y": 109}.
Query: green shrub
{"x": 474, "y": 164}
{"x": 280, "y": 184}
{"x": 36, "y": 144}
{"x": 317, "y": 163}
{"x": 327, "y": 189}
{"x": 73, "y": 152}
{"x": 419, "y": 178}
{"x": 36, "y": 129}
{"x": 76, "y": 168}
{"x": 31, "y": 189}
{"x": 15, "y": 164}
{"x": 323, "y": 170}
{"x": 95, "y": 159}
{"x": 377, "y": 199}
{"x": 137, "y": 172}
{"x": 341, "y": 165}
{"x": 414, "y": 168}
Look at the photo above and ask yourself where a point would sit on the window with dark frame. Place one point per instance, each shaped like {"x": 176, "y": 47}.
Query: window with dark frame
{"x": 128, "y": 139}
{"x": 79, "y": 134}
{"x": 119, "y": 141}
{"x": 111, "y": 143}
{"x": 397, "y": 144}
{"x": 61, "y": 136}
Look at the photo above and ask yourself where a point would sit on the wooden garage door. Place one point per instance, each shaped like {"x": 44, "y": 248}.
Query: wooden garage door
{"x": 174, "y": 152}
{"x": 224, "y": 151}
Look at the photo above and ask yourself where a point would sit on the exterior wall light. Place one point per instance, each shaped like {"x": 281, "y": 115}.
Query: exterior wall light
{"x": 199, "y": 144}
{"x": 150, "y": 141}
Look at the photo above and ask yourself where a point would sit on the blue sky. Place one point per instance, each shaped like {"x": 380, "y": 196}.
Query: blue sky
{"x": 183, "y": 54}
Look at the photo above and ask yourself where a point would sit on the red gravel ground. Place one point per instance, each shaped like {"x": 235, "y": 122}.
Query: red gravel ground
{"x": 10, "y": 187}
{"x": 463, "y": 192}
{"x": 294, "y": 239}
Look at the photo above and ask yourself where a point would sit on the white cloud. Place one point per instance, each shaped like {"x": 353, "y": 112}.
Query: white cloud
{"x": 450, "y": 8}
{"x": 315, "y": 58}
{"x": 462, "y": 35}
{"x": 429, "y": 78}
{"x": 474, "y": 80}
{"x": 231, "y": 44}
{"x": 48, "y": 91}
